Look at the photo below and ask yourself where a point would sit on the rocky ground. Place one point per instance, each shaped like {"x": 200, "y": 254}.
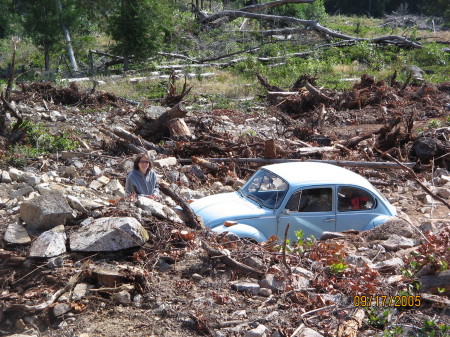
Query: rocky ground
{"x": 79, "y": 258}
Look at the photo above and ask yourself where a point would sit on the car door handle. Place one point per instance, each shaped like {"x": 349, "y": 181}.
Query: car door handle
{"x": 329, "y": 220}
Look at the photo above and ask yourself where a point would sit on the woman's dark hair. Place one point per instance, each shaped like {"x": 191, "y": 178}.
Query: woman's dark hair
{"x": 138, "y": 158}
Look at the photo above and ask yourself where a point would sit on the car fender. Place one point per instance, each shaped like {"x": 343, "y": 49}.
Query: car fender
{"x": 379, "y": 220}
{"x": 243, "y": 231}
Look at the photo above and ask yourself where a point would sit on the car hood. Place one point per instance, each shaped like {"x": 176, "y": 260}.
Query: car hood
{"x": 215, "y": 209}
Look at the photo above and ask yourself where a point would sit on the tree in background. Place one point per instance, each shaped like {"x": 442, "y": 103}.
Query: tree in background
{"x": 306, "y": 11}
{"x": 42, "y": 25}
{"x": 48, "y": 22}
{"x": 139, "y": 28}
{"x": 8, "y": 19}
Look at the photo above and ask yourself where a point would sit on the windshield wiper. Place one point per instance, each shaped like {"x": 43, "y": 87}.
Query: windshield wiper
{"x": 255, "y": 199}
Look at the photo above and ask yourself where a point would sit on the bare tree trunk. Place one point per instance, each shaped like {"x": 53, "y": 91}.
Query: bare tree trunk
{"x": 73, "y": 61}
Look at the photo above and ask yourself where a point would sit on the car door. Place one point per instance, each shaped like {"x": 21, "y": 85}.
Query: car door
{"x": 311, "y": 210}
{"x": 356, "y": 208}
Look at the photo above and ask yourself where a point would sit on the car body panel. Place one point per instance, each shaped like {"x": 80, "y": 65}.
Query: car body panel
{"x": 259, "y": 222}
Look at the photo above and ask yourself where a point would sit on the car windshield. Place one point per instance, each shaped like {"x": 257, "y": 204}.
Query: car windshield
{"x": 266, "y": 189}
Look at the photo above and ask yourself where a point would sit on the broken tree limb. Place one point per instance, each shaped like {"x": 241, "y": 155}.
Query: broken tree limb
{"x": 416, "y": 179}
{"x": 363, "y": 164}
{"x": 194, "y": 221}
{"x": 128, "y": 145}
{"x": 316, "y": 92}
{"x": 39, "y": 307}
{"x": 205, "y": 163}
{"x": 136, "y": 140}
{"x": 230, "y": 262}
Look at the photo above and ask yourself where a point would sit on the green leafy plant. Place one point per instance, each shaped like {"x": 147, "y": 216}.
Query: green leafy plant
{"x": 338, "y": 268}
{"x": 376, "y": 317}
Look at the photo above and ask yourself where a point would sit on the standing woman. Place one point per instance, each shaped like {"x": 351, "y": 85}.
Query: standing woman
{"x": 142, "y": 181}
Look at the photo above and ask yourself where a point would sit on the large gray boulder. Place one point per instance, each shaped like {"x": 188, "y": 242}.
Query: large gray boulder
{"x": 108, "y": 234}
{"x": 46, "y": 211}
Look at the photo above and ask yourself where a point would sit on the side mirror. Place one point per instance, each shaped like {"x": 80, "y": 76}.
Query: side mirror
{"x": 285, "y": 211}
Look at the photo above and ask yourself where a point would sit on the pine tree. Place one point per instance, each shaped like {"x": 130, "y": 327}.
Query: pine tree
{"x": 139, "y": 28}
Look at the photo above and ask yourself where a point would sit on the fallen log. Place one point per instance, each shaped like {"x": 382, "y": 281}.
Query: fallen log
{"x": 231, "y": 15}
{"x": 363, "y": 164}
{"x": 136, "y": 140}
{"x": 194, "y": 221}
{"x": 235, "y": 265}
{"x": 130, "y": 146}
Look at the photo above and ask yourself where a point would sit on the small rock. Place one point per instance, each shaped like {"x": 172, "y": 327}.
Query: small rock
{"x": 265, "y": 292}
{"x": 50, "y": 243}
{"x": 61, "y": 309}
{"x": 271, "y": 282}
{"x": 259, "y": 331}
{"x": 55, "y": 262}
{"x": 96, "y": 171}
{"x": 389, "y": 265}
{"x": 216, "y": 186}
{"x": 247, "y": 287}
{"x": 16, "y": 234}
{"x": 238, "y": 183}
{"x": 95, "y": 185}
{"x": 103, "y": 180}
{"x": 427, "y": 200}
{"x": 165, "y": 162}
{"x": 396, "y": 242}
{"x": 197, "y": 277}
{"x": 308, "y": 332}
{"x": 226, "y": 189}
{"x": 20, "y": 192}
{"x": 5, "y": 178}
{"x": 122, "y": 297}
{"x": 444, "y": 193}
{"x": 81, "y": 290}
{"x": 15, "y": 174}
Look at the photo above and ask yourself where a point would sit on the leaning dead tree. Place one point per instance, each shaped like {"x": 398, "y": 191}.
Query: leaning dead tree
{"x": 216, "y": 19}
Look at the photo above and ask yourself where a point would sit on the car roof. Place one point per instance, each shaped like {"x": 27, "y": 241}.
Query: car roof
{"x": 311, "y": 173}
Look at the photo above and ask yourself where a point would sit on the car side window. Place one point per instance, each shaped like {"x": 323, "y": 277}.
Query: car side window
{"x": 354, "y": 199}
{"x": 311, "y": 200}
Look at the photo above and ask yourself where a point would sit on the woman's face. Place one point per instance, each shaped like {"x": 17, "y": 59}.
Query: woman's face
{"x": 143, "y": 165}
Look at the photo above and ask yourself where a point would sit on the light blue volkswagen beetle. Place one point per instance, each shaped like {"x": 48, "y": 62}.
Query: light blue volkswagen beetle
{"x": 314, "y": 197}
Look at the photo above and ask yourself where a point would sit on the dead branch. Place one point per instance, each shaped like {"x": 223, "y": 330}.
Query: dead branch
{"x": 235, "y": 265}
{"x": 130, "y": 146}
{"x": 205, "y": 163}
{"x": 136, "y": 140}
{"x": 194, "y": 221}
{"x": 363, "y": 164}
{"x": 39, "y": 307}
{"x": 266, "y": 84}
{"x": 316, "y": 92}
